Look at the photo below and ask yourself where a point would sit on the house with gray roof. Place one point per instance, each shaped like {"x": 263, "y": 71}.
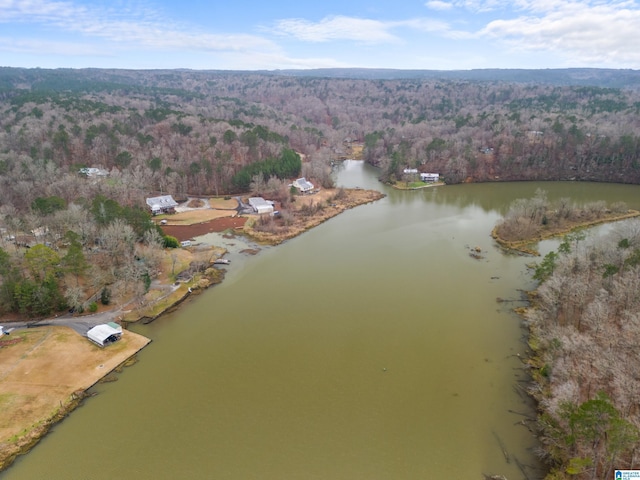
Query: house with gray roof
{"x": 162, "y": 204}
{"x": 303, "y": 185}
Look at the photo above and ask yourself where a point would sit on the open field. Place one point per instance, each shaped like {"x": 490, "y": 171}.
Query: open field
{"x": 191, "y": 217}
{"x": 41, "y": 370}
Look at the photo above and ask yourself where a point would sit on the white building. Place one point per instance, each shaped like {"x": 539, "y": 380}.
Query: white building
{"x": 162, "y": 204}
{"x": 105, "y": 333}
{"x": 430, "y": 177}
{"x": 93, "y": 172}
{"x": 303, "y": 185}
{"x": 260, "y": 205}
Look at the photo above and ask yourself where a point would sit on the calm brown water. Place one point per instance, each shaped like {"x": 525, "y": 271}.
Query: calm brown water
{"x": 371, "y": 347}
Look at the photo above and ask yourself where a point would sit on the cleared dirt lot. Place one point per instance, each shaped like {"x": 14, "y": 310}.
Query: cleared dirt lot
{"x": 41, "y": 369}
{"x": 190, "y": 230}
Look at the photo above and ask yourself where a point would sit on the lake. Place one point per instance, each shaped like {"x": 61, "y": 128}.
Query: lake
{"x": 371, "y": 347}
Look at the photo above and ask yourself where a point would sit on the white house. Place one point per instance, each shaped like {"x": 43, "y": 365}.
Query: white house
{"x": 162, "y": 204}
{"x": 430, "y": 177}
{"x": 105, "y": 333}
{"x": 93, "y": 172}
{"x": 303, "y": 185}
{"x": 260, "y": 205}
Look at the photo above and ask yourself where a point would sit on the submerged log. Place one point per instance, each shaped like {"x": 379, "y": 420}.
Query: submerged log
{"x": 502, "y": 447}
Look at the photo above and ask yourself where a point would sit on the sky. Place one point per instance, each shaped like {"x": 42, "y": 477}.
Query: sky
{"x": 299, "y": 34}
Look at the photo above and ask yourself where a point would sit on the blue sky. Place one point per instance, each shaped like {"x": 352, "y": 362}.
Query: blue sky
{"x": 283, "y": 34}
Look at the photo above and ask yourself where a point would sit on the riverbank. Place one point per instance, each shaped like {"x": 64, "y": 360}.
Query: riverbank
{"x": 527, "y": 246}
{"x": 415, "y": 185}
{"x": 46, "y": 371}
{"x": 308, "y": 211}
{"x": 36, "y": 392}
{"x": 32, "y": 406}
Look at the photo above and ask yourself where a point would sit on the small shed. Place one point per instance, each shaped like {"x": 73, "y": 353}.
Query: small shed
{"x": 260, "y": 205}
{"x": 105, "y": 333}
{"x": 162, "y": 204}
{"x": 1, "y": 330}
{"x": 303, "y": 185}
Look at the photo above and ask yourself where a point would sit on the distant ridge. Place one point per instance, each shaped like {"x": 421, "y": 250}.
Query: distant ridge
{"x": 592, "y": 77}
{"x": 601, "y": 77}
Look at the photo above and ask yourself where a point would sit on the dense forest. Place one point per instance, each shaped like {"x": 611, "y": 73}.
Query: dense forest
{"x": 225, "y": 133}
{"x": 585, "y": 329}
{"x": 193, "y": 132}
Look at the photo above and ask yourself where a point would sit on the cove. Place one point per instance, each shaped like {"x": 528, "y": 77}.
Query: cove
{"x": 370, "y": 347}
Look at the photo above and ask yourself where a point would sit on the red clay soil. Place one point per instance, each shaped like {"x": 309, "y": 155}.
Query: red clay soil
{"x": 185, "y": 232}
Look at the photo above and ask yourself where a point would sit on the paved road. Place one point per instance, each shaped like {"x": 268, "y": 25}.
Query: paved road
{"x": 81, "y": 324}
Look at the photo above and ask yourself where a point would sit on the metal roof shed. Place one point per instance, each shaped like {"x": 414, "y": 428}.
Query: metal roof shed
{"x": 105, "y": 333}
{"x": 260, "y": 205}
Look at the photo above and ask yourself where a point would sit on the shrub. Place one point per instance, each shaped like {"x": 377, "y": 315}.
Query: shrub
{"x": 170, "y": 242}
{"x": 93, "y": 307}
{"x": 105, "y": 296}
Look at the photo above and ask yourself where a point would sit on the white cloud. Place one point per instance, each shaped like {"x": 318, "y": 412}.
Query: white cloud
{"x": 596, "y": 34}
{"x": 336, "y": 28}
{"x": 38, "y": 47}
{"x": 438, "y": 5}
{"x": 435, "y": 26}
{"x": 363, "y": 30}
{"x": 137, "y": 28}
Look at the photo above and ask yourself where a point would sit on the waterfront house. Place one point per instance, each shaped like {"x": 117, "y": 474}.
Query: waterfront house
{"x": 430, "y": 177}
{"x": 303, "y": 185}
{"x": 162, "y": 204}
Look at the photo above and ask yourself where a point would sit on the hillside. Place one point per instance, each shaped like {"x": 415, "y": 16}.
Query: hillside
{"x": 214, "y": 133}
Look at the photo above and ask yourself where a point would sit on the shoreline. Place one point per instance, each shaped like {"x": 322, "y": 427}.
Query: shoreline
{"x": 80, "y": 365}
{"x": 397, "y": 186}
{"x": 9, "y": 451}
{"x": 354, "y": 197}
{"x": 523, "y": 246}
{"x": 22, "y": 440}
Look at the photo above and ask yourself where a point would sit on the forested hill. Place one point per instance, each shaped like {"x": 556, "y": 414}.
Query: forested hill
{"x": 182, "y": 131}
{"x": 594, "y": 77}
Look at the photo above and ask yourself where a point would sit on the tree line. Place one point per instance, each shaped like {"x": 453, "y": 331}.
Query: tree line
{"x": 222, "y": 133}
{"x": 584, "y": 332}
{"x": 72, "y": 256}
{"x": 193, "y": 132}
